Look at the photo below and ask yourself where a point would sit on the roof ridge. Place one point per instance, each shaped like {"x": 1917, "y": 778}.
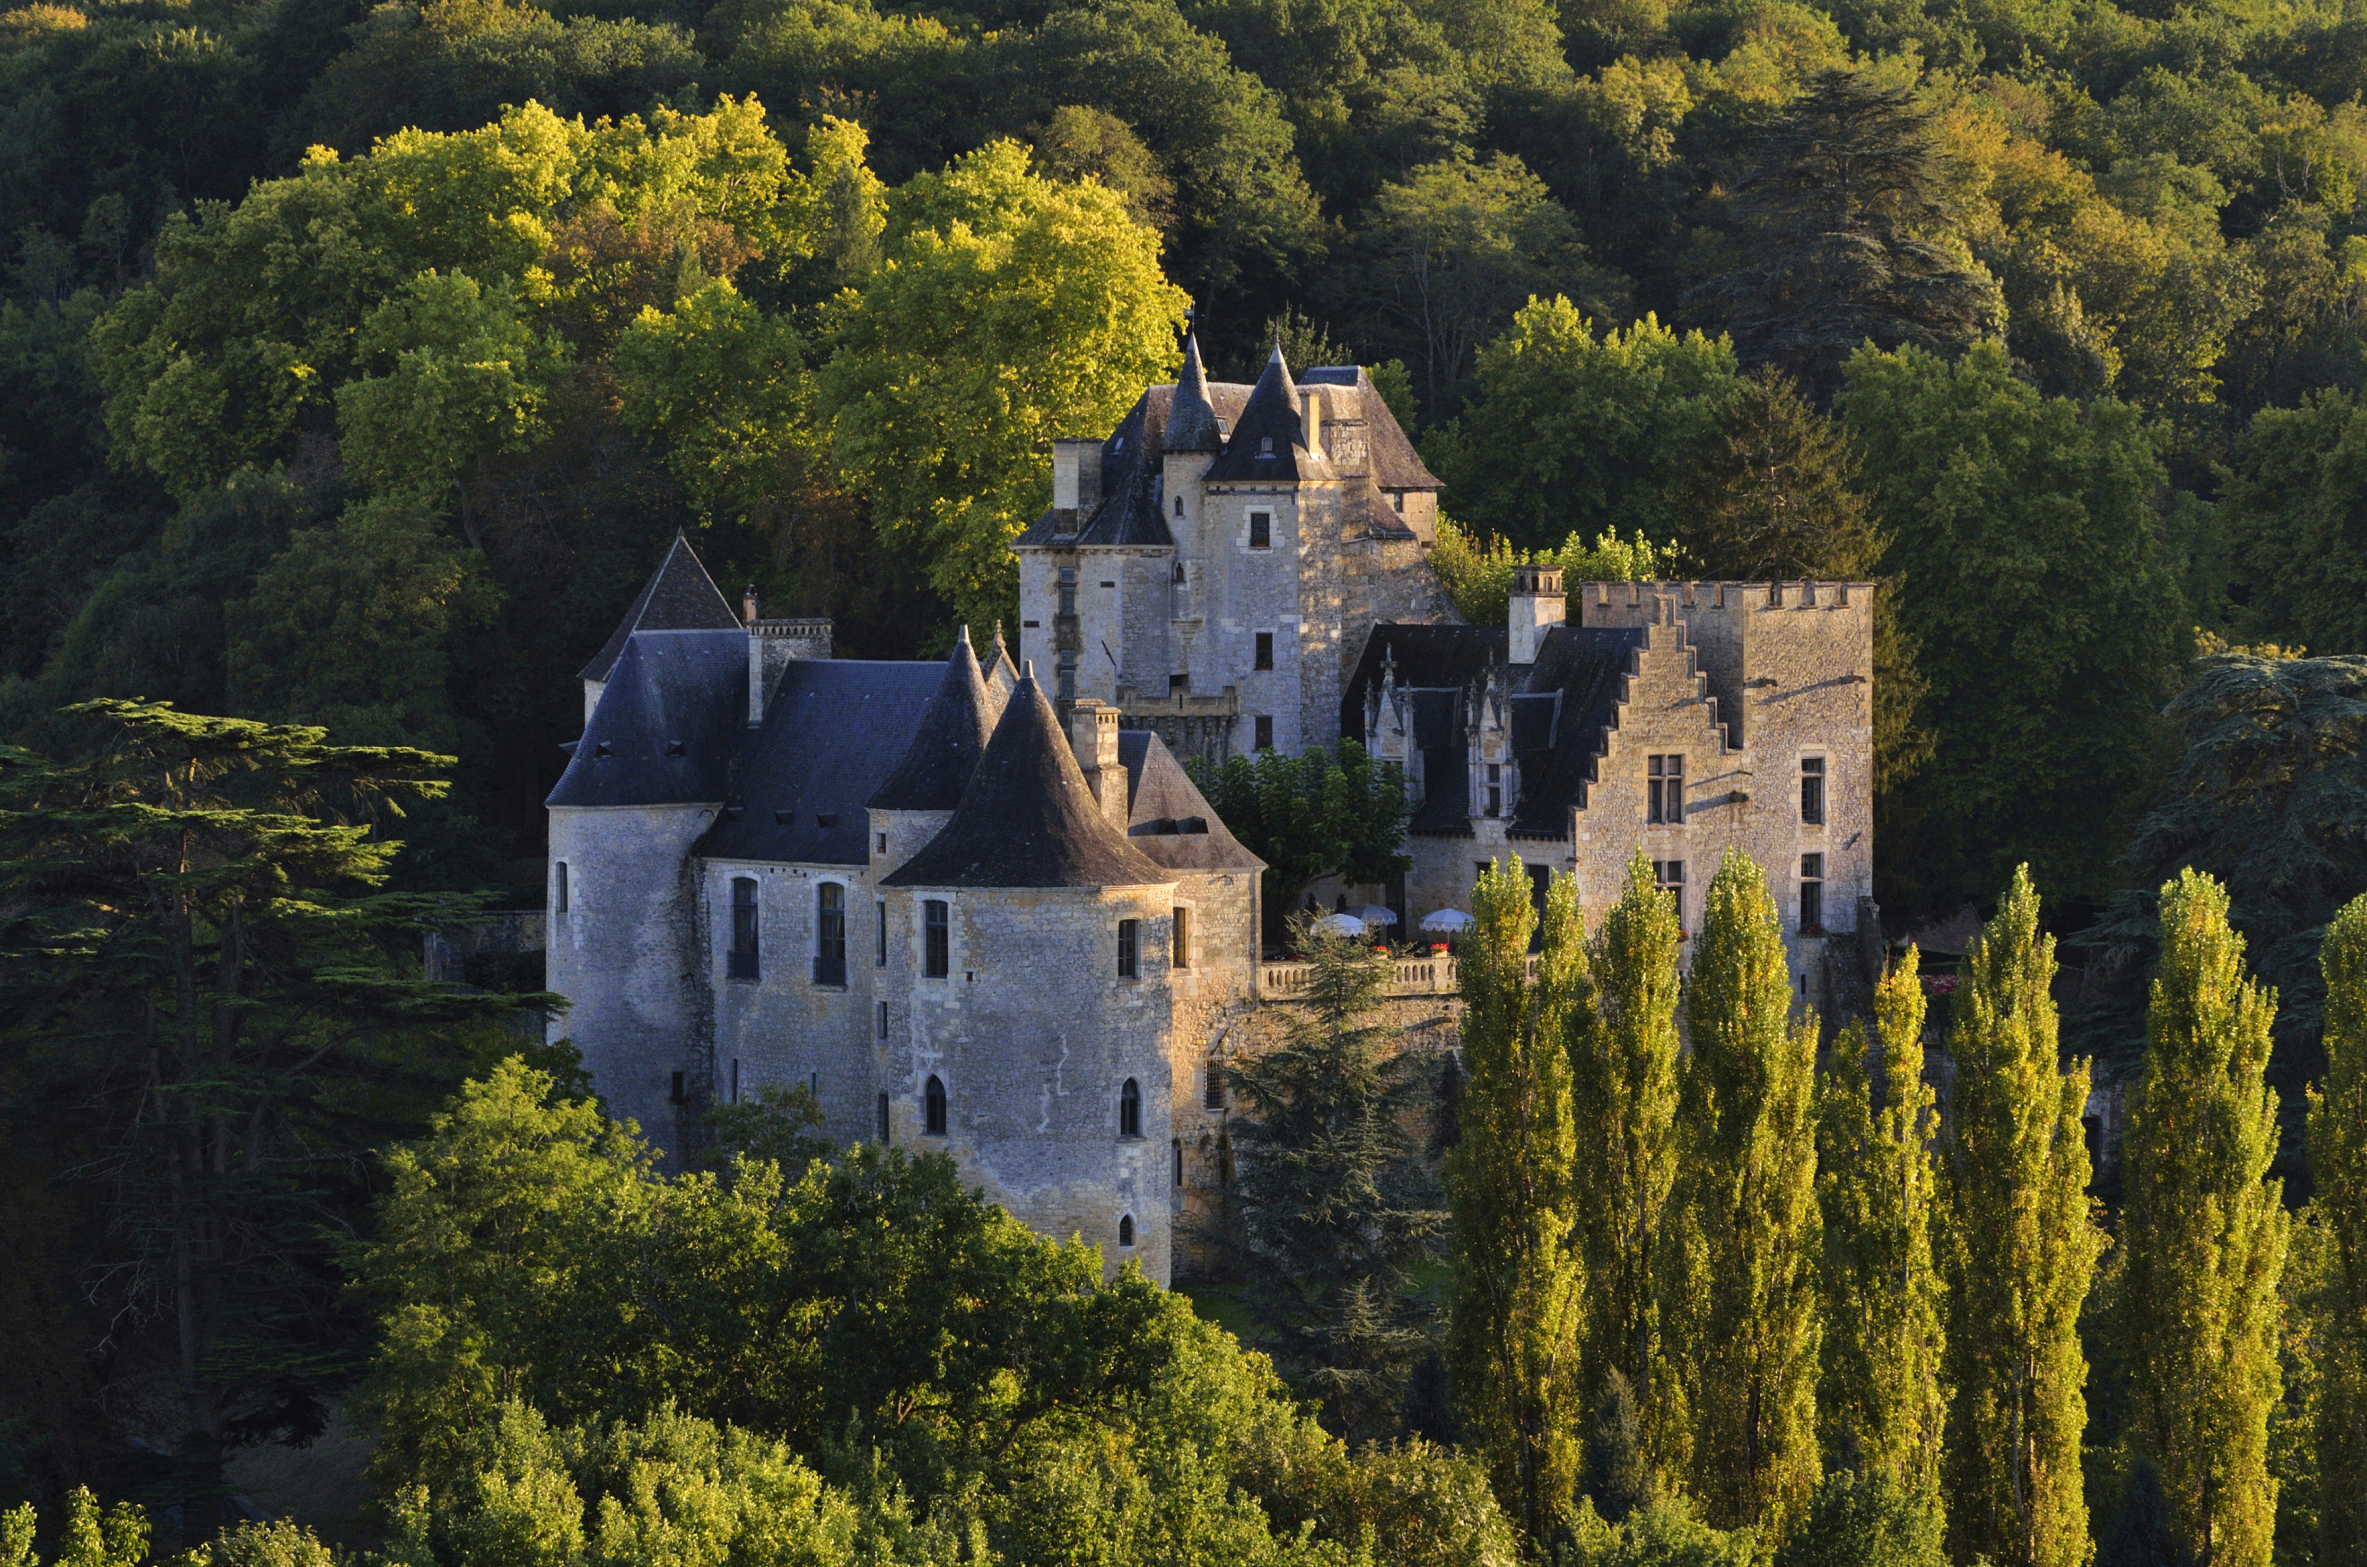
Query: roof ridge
{"x": 945, "y": 748}
{"x": 671, "y": 600}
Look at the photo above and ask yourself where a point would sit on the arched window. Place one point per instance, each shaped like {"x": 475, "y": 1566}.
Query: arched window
{"x": 743, "y": 928}
{"x": 933, "y": 1107}
{"x": 1130, "y": 1109}
{"x": 830, "y": 934}
{"x": 1126, "y": 1230}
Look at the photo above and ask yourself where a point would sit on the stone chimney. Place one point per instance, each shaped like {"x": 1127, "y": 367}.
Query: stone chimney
{"x": 1093, "y": 735}
{"x": 748, "y": 604}
{"x": 1537, "y": 607}
{"x": 1076, "y": 481}
{"x": 1311, "y": 419}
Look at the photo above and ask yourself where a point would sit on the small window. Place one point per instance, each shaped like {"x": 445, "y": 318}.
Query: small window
{"x": 1179, "y": 573}
{"x": 1179, "y": 505}
{"x": 1812, "y": 790}
{"x": 1812, "y": 894}
{"x": 1183, "y": 938}
{"x": 559, "y": 888}
{"x": 1261, "y": 530}
{"x": 735, "y": 1079}
{"x": 1670, "y": 875}
{"x": 1664, "y": 790}
{"x": 1126, "y": 1231}
{"x": 830, "y": 934}
{"x": 1178, "y": 1161}
{"x": 883, "y": 1020}
{"x": 743, "y": 928}
{"x": 1265, "y": 651}
{"x": 678, "y": 1093}
{"x": 933, "y": 1107}
{"x": 883, "y": 1120}
{"x": 1495, "y": 789}
{"x": 1179, "y": 685}
{"x": 1265, "y": 446}
{"x": 881, "y": 959}
{"x": 1397, "y": 499}
{"x": 883, "y": 843}
{"x": 1265, "y": 732}
{"x": 1130, "y": 1109}
{"x": 1129, "y": 949}
{"x": 1215, "y": 1095}
{"x": 937, "y": 959}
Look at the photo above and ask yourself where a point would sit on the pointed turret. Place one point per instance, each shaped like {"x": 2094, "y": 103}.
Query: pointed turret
{"x": 1027, "y": 818}
{"x": 1002, "y": 676}
{"x": 679, "y": 596}
{"x": 945, "y": 749}
{"x": 1267, "y": 442}
{"x": 1191, "y": 418}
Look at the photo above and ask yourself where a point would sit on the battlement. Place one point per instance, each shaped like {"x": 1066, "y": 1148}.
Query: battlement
{"x": 1760, "y": 637}
{"x": 771, "y": 646}
{"x": 1635, "y": 603}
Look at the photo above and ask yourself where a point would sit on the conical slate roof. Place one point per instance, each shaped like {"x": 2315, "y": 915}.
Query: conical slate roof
{"x": 1027, "y": 819}
{"x": 1191, "y": 418}
{"x": 679, "y": 596}
{"x": 945, "y": 749}
{"x": 1002, "y": 676}
{"x": 1263, "y": 440}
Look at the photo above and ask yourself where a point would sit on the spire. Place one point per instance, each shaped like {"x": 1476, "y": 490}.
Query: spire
{"x": 945, "y": 749}
{"x": 1002, "y": 676}
{"x": 1261, "y": 446}
{"x": 1191, "y": 419}
{"x": 1027, "y": 818}
{"x": 679, "y": 596}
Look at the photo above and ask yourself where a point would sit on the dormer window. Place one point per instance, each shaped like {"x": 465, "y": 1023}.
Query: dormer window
{"x": 1265, "y": 446}
{"x": 1119, "y": 444}
{"x": 1224, "y": 427}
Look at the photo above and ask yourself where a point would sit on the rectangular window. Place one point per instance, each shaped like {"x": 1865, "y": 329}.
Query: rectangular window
{"x": 830, "y": 934}
{"x": 883, "y": 1020}
{"x": 1215, "y": 1097}
{"x": 559, "y": 888}
{"x": 1670, "y": 874}
{"x": 1265, "y": 651}
{"x": 937, "y": 944}
{"x": 881, "y": 959}
{"x": 1179, "y": 685}
{"x": 883, "y": 1120}
{"x": 743, "y": 928}
{"x": 735, "y": 1079}
{"x": 679, "y": 1094}
{"x": 883, "y": 843}
{"x": 1129, "y": 949}
{"x": 1495, "y": 788}
{"x": 1812, "y": 894}
{"x": 1183, "y": 938}
{"x": 1812, "y": 790}
{"x": 1261, "y": 530}
{"x": 1265, "y": 732}
{"x": 1664, "y": 790}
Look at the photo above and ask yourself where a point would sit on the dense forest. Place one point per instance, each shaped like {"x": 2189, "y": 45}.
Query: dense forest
{"x": 358, "y": 362}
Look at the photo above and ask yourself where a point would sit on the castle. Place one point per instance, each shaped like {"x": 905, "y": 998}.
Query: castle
{"x": 980, "y": 907}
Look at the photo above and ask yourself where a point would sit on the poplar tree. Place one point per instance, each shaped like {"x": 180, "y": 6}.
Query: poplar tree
{"x": 1519, "y": 1276}
{"x": 2022, "y": 1251}
{"x": 2338, "y": 1163}
{"x": 1880, "y": 1401}
{"x": 1624, "y": 1083}
{"x": 2206, "y": 1232}
{"x": 1747, "y": 1347}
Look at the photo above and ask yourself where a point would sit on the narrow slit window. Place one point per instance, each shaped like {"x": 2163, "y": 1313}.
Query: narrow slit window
{"x": 735, "y": 1079}
{"x": 1183, "y": 938}
{"x": 1495, "y": 788}
{"x": 1130, "y": 1109}
{"x": 1129, "y": 949}
{"x": 743, "y": 928}
{"x": 883, "y": 1020}
{"x": 883, "y": 1120}
{"x": 830, "y": 934}
{"x": 1812, "y": 791}
{"x": 559, "y": 888}
{"x": 1812, "y": 894}
{"x": 933, "y": 1106}
{"x": 936, "y": 942}
{"x": 881, "y": 959}
{"x": 678, "y": 1093}
{"x": 1178, "y": 1160}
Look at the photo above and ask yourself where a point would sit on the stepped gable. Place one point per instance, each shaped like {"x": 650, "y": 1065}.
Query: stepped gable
{"x": 1270, "y": 416}
{"x": 679, "y": 596}
{"x": 1168, "y": 818}
{"x": 1027, "y": 818}
{"x": 1191, "y": 417}
{"x": 670, "y": 724}
{"x": 833, "y": 732}
{"x": 948, "y": 742}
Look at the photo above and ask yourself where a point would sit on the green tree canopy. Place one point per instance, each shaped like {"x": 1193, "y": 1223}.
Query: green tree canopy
{"x": 1329, "y": 810}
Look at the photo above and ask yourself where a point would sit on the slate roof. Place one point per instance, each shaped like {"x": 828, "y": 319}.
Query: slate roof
{"x": 679, "y": 596}
{"x": 1168, "y": 818}
{"x": 947, "y": 742}
{"x": 1559, "y": 708}
{"x": 833, "y": 732}
{"x": 1027, "y": 819}
{"x": 1271, "y": 415}
{"x": 1191, "y": 419}
{"x": 669, "y": 725}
